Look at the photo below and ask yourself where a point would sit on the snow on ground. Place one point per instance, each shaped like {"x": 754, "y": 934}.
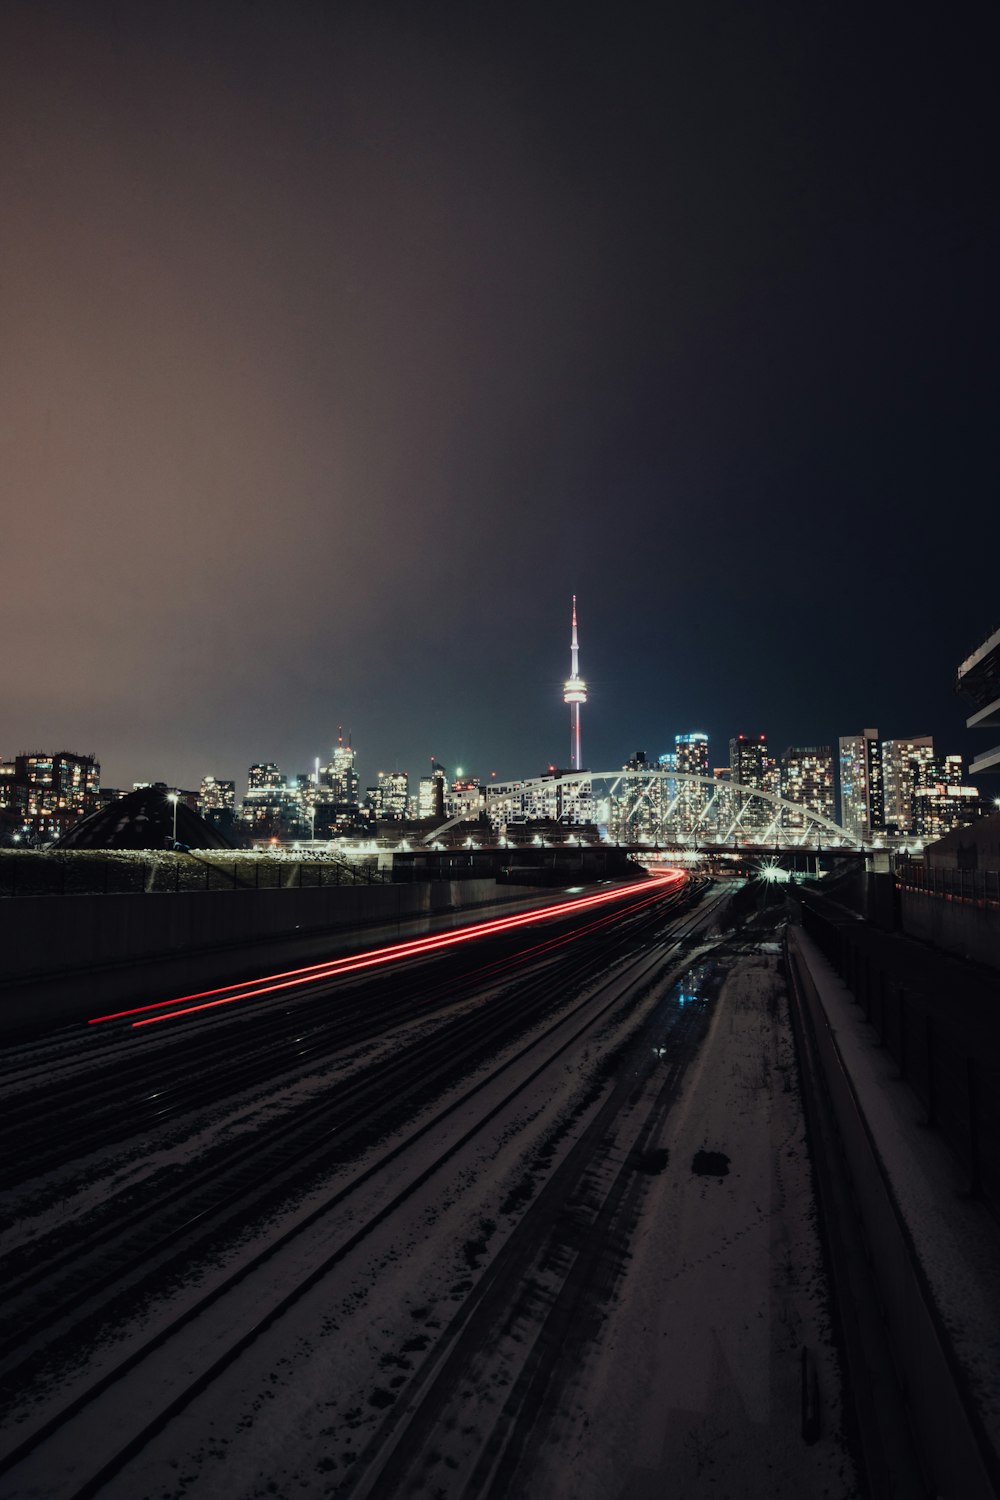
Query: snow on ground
{"x": 511, "y": 1138}
{"x": 694, "y": 1387}
{"x": 302, "y": 1404}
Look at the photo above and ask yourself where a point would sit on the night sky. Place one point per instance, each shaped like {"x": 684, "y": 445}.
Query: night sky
{"x": 341, "y": 344}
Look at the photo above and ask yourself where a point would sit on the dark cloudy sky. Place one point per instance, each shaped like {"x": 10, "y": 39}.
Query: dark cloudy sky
{"x": 341, "y": 343}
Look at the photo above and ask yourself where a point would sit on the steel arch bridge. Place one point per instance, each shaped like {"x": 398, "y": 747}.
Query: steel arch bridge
{"x": 663, "y": 807}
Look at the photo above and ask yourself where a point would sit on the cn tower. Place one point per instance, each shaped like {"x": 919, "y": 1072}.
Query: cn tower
{"x": 574, "y": 693}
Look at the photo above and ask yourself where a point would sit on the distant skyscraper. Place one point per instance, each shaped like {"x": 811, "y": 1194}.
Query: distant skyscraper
{"x": 217, "y": 802}
{"x": 862, "y": 802}
{"x": 216, "y": 796}
{"x": 264, "y": 775}
{"x": 465, "y": 797}
{"x": 339, "y": 779}
{"x": 272, "y": 808}
{"x": 691, "y": 754}
{"x": 49, "y": 793}
{"x": 391, "y": 795}
{"x": 807, "y": 778}
{"x": 751, "y": 766}
{"x": 691, "y": 757}
{"x": 431, "y": 792}
{"x": 907, "y": 765}
{"x": 574, "y": 693}
{"x": 943, "y": 803}
{"x": 560, "y": 798}
{"x": 748, "y": 760}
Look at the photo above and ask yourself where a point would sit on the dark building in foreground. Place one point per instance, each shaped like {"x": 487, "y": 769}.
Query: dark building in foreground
{"x": 979, "y": 680}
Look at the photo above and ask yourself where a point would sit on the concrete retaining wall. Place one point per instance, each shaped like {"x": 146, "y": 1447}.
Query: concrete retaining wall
{"x": 966, "y": 927}
{"x": 947, "y": 1432}
{"x": 70, "y": 957}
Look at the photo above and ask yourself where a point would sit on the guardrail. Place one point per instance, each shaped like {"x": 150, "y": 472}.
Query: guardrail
{"x": 979, "y": 886}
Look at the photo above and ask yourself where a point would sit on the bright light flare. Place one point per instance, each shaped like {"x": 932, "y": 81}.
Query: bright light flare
{"x": 269, "y": 984}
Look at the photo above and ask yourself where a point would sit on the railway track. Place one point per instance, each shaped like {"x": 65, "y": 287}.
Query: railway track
{"x": 109, "y": 1099}
{"x": 52, "y": 1290}
{"x": 553, "y": 1276}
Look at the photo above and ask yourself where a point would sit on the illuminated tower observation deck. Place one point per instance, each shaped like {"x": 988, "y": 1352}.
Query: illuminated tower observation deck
{"x": 574, "y": 693}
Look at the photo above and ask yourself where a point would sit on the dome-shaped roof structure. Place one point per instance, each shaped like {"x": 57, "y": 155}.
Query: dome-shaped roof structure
{"x": 143, "y": 820}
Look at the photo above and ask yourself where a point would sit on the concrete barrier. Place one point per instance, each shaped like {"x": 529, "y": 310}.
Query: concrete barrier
{"x": 959, "y": 925}
{"x": 65, "y": 957}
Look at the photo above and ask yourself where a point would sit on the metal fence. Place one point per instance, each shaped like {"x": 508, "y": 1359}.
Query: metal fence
{"x": 86, "y": 873}
{"x": 980, "y": 886}
{"x": 942, "y": 1037}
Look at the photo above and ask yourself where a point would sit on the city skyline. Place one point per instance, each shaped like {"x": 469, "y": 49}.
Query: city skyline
{"x": 887, "y": 789}
{"x": 241, "y": 775}
{"x": 574, "y": 693}
{"x": 956, "y": 739}
{"x": 752, "y": 761}
{"x": 341, "y": 348}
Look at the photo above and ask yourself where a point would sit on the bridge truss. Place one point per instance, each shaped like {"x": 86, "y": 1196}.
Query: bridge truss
{"x": 662, "y": 807}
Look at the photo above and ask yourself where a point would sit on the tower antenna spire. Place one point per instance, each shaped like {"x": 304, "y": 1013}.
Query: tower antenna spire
{"x": 574, "y": 693}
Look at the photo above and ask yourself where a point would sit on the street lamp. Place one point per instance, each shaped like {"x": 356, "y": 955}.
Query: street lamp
{"x": 172, "y": 797}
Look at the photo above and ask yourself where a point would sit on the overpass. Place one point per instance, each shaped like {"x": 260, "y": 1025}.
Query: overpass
{"x": 652, "y": 808}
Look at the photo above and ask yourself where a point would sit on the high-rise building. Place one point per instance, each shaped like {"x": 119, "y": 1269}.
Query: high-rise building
{"x": 217, "y": 803}
{"x": 575, "y": 694}
{"x": 49, "y": 793}
{"x": 750, "y": 765}
{"x": 637, "y": 806}
{"x": 862, "y": 807}
{"x": 390, "y": 796}
{"x": 807, "y": 779}
{"x": 907, "y": 766}
{"x": 942, "y": 802}
{"x": 558, "y": 798}
{"x": 691, "y": 758}
{"x": 271, "y": 808}
{"x": 465, "y": 797}
{"x": 431, "y": 792}
{"x": 216, "y": 796}
{"x": 340, "y": 779}
{"x": 691, "y": 753}
{"x": 748, "y": 760}
{"x": 264, "y": 775}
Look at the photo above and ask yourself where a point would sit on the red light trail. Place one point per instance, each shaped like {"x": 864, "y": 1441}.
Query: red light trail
{"x": 269, "y": 984}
